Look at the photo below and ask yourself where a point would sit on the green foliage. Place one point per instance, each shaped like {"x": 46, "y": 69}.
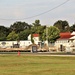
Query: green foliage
{"x": 39, "y": 30}
{"x": 32, "y": 40}
{"x": 3, "y": 33}
{"x": 23, "y": 35}
{"x": 51, "y": 34}
{"x": 63, "y": 26}
{"x": 23, "y": 29}
{"x": 37, "y": 23}
{"x": 72, "y": 28}
{"x": 12, "y": 36}
{"x": 2, "y": 36}
{"x": 19, "y": 26}
{"x": 36, "y": 26}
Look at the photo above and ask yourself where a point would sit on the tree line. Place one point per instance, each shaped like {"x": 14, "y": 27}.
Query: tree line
{"x": 21, "y": 30}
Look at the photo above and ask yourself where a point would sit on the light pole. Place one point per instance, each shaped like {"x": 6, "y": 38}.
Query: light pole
{"x": 47, "y": 35}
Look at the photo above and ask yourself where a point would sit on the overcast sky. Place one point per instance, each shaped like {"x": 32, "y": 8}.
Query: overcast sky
{"x": 20, "y": 10}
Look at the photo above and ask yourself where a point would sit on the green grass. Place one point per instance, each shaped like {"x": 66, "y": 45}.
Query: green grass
{"x": 36, "y": 65}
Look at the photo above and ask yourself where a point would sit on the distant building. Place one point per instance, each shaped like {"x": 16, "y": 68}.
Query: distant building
{"x": 72, "y": 39}
{"x": 63, "y": 40}
{"x": 22, "y": 43}
{"x": 35, "y": 38}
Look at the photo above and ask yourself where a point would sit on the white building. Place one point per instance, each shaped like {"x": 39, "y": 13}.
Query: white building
{"x": 35, "y": 38}
{"x": 63, "y": 41}
{"x": 22, "y": 43}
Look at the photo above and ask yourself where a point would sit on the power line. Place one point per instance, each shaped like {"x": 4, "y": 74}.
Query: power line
{"x": 40, "y": 13}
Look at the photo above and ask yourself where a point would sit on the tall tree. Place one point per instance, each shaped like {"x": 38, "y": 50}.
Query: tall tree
{"x": 63, "y": 26}
{"x": 37, "y": 27}
{"x": 37, "y": 23}
{"x": 39, "y": 30}
{"x": 51, "y": 34}
{"x": 19, "y": 26}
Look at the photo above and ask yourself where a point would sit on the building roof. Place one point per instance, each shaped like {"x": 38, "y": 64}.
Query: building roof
{"x": 65, "y": 35}
{"x": 35, "y": 35}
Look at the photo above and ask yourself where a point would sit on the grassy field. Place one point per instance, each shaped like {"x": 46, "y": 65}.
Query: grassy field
{"x": 36, "y": 65}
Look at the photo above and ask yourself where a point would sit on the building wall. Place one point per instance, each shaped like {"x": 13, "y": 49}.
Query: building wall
{"x": 9, "y": 44}
{"x": 35, "y": 38}
{"x": 63, "y": 42}
{"x": 23, "y": 44}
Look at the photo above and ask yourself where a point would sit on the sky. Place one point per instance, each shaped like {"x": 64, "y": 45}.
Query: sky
{"x": 47, "y": 11}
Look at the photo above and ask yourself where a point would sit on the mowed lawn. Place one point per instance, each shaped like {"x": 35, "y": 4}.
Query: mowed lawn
{"x": 36, "y": 65}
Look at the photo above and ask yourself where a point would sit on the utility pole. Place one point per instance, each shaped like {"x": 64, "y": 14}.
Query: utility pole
{"x": 47, "y": 35}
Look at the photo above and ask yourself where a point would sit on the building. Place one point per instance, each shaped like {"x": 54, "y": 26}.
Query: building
{"x": 22, "y": 43}
{"x": 72, "y": 39}
{"x": 35, "y": 38}
{"x": 63, "y": 41}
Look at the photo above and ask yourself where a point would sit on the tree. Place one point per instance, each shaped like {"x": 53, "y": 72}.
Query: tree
{"x": 2, "y": 36}
{"x": 38, "y": 30}
{"x": 63, "y": 26}
{"x": 23, "y": 35}
{"x": 19, "y": 26}
{"x": 4, "y": 31}
{"x": 37, "y": 23}
{"x": 12, "y": 36}
{"x": 51, "y": 34}
{"x": 72, "y": 28}
{"x": 32, "y": 40}
{"x": 35, "y": 27}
